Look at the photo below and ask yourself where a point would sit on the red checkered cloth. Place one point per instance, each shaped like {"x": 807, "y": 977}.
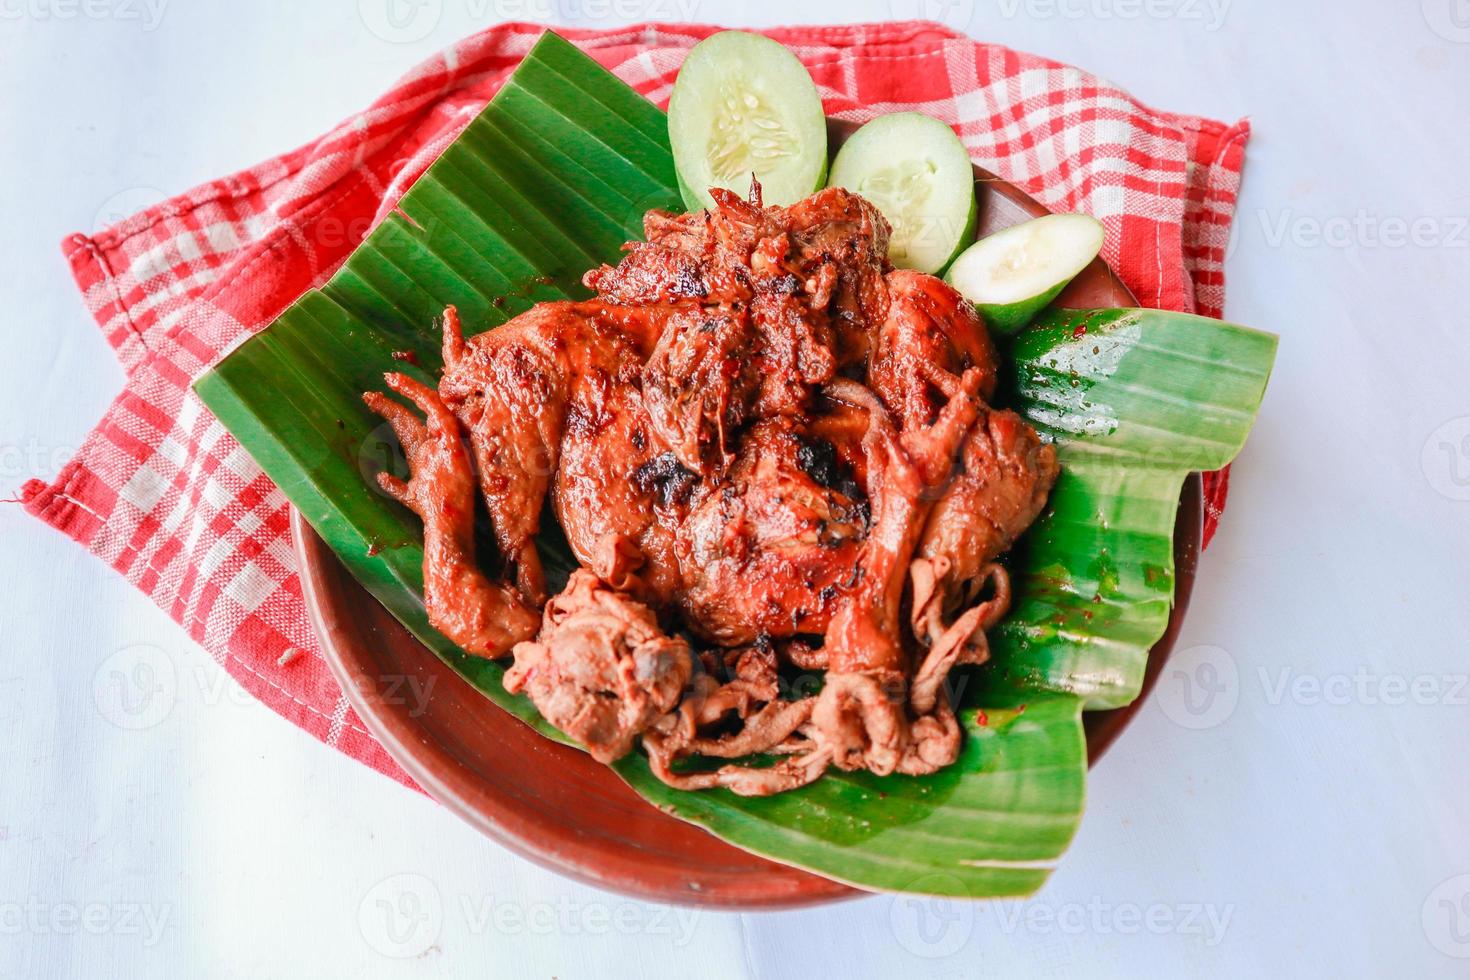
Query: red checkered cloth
{"x": 162, "y": 493}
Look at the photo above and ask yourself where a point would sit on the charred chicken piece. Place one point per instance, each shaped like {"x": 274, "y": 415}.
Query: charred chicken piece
{"x": 551, "y": 405}
{"x": 861, "y": 718}
{"x": 930, "y": 337}
{"x": 484, "y": 617}
{"x": 771, "y": 550}
{"x": 1000, "y": 488}
{"x": 777, "y": 301}
{"x": 829, "y": 251}
{"x": 601, "y": 670}
{"x": 759, "y": 435}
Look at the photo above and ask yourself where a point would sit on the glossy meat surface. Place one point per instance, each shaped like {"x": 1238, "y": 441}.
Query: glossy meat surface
{"x": 601, "y": 670}
{"x": 769, "y": 452}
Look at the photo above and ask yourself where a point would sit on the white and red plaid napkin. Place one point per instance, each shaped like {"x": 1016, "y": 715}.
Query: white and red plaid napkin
{"x": 162, "y": 493}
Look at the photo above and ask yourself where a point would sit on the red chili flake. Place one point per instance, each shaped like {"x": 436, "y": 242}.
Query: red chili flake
{"x": 406, "y": 356}
{"x": 1079, "y": 331}
{"x": 981, "y": 718}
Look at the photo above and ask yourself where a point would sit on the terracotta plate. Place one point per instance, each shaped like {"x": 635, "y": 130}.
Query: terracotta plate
{"x": 552, "y": 803}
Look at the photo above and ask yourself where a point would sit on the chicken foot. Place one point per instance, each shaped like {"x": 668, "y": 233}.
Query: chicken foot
{"x": 486, "y": 618}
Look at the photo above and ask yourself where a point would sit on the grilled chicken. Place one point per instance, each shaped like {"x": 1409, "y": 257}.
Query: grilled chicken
{"x": 756, "y": 435}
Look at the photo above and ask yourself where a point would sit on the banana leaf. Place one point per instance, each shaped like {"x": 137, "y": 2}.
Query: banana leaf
{"x": 549, "y": 180}
{"x": 1134, "y": 400}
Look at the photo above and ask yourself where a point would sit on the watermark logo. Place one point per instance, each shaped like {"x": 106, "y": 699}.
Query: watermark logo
{"x": 1450, "y": 19}
{"x": 1232, "y": 242}
{"x": 1446, "y": 917}
{"x": 33, "y": 459}
{"x": 566, "y": 916}
{"x": 400, "y": 21}
{"x": 145, "y": 14}
{"x": 1364, "y": 687}
{"x": 1209, "y": 13}
{"x": 124, "y": 204}
{"x": 633, "y": 218}
{"x": 1206, "y": 920}
{"x": 932, "y": 926}
{"x": 401, "y": 916}
{"x": 381, "y": 452}
{"x": 1199, "y": 687}
{"x": 1445, "y": 459}
{"x": 136, "y": 687}
{"x": 1363, "y": 229}
{"x": 960, "y": 14}
{"x": 956, "y": 14}
{"x": 141, "y": 920}
{"x": 586, "y": 11}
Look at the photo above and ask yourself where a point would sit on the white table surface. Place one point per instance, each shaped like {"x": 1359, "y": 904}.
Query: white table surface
{"x": 1314, "y": 819}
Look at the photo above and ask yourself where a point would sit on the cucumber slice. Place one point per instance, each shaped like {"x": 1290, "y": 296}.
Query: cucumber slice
{"x": 744, "y": 104}
{"x": 1012, "y": 274}
{"x": 918, "y": 173}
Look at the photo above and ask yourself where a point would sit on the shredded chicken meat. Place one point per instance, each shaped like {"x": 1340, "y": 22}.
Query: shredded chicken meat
{"x": 771, "y": 453}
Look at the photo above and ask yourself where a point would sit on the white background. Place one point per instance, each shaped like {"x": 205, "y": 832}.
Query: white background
{"x": 1316, "y": 825}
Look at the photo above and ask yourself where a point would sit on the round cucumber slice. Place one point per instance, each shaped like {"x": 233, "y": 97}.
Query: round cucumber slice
{"x": 743, "y": 105}
{"x": 918, "y": 173}
{"x": 1012, "y": 274}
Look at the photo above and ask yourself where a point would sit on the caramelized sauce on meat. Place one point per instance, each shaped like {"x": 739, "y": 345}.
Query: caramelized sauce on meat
{"x": 769, "y": 451}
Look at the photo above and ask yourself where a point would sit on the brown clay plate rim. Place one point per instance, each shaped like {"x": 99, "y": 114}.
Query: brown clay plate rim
{"x": 623, "y": 844}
